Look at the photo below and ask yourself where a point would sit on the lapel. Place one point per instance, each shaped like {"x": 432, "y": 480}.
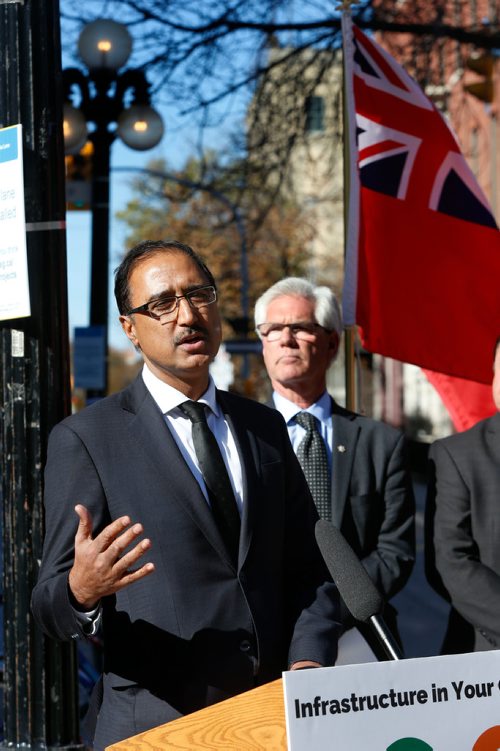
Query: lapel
{"x": 248, "y": 455}
{"x": 345, "y": 437}
{"x": 493, "y": 435}
{"x": 152, "y": 438}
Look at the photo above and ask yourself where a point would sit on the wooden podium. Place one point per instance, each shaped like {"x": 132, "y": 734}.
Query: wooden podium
{"x": 251, "y": 721}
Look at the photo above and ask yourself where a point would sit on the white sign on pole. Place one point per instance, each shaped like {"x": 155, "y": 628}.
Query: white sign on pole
{"x": 424, "y": 704}
{"x": 14, "y": 284}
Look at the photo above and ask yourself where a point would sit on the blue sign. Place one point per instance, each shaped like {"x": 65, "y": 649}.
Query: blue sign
{"x": 89, "y": 357}
{"x": 8, "y": 144}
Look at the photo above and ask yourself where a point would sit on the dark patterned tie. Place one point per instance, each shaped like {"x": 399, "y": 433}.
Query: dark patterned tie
{"x": 213, "y": 469}
{"x": 313, "y": 459}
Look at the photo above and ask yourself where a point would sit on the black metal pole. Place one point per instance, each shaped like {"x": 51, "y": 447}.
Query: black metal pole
{"x": 99, "y": 278}
{"x": 103, "y": 98}
{"x": 40, "y": 702}
{"x": 100, "y": 228}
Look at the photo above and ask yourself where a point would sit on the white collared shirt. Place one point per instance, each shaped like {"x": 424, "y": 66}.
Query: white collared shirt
{"x": 168, "y": 400}
{"x": 322, "y": 410}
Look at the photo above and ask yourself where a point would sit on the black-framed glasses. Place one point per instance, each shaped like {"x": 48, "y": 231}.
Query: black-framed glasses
{"x": 164, "y": 308}
{"x": 304, "y": 330}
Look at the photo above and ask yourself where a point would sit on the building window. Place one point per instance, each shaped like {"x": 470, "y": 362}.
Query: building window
{"x": 315, "y": 114}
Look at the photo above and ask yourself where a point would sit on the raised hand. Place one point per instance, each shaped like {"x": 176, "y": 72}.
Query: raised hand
{"x": 101, "y": 566}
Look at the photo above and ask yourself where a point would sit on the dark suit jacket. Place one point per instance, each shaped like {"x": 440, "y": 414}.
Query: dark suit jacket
{"x": 372, "y": 497}
{"x": 196, "y": 630}
{"x": 373, "y": 505}
{"x": 465, "y": 493}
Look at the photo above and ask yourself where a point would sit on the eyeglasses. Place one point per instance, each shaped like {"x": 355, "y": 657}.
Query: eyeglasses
{"x": 305, "y": 331}
{"x": 162, "y": 308}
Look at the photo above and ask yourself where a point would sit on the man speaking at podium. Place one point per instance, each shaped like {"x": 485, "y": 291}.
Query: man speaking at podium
{"x": 193, "y": 539}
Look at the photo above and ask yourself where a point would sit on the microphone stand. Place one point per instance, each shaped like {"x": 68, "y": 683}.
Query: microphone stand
{"x": 387, "y": 641}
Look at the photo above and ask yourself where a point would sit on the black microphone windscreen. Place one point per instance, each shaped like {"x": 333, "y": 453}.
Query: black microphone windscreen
{"x": 355, "y": 586}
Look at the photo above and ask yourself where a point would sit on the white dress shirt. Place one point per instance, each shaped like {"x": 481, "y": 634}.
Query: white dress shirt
{"x": 168, "y": 400}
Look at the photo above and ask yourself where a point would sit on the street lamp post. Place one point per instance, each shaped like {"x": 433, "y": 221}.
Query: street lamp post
{"x": 108, "y": 96}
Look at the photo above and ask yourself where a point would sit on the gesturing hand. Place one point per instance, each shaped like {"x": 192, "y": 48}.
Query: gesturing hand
{"x": 101, "y": 566}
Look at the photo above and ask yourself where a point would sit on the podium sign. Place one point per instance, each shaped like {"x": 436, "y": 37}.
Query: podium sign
{"x": 424, "y": 704}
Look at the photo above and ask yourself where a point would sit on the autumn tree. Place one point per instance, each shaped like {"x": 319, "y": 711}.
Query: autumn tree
{"x": 247, "y": 242}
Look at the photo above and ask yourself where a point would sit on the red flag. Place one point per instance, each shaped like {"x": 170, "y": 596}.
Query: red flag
{"x": 423, "y": 248}
{"x": 467, "y": 402}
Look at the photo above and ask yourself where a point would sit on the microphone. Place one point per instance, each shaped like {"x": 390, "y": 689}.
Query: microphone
{"x": 359, "y": 593}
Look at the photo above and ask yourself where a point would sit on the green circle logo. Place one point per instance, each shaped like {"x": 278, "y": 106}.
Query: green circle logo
{"x": 409, "y": 744}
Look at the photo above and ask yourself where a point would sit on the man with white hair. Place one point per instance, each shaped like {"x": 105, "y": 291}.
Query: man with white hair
{"x": 355, "y": 466}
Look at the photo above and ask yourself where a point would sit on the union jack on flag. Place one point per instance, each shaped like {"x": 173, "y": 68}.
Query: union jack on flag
{"x": 423, "y": 247}
{"x": 390, "y": 149}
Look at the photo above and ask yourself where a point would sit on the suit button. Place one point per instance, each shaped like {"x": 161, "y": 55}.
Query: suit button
{"x": 245, "y": 646}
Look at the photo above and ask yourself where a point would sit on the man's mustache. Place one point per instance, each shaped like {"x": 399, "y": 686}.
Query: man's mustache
{"x": 187, "y": 333}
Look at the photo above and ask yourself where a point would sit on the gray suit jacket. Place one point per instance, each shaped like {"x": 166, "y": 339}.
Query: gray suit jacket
{"x": 197, "y": 630}
{"x": 372, "y": 497}
{"x": 465, "y": 491}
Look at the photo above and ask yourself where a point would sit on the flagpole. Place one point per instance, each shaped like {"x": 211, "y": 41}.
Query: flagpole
{"x": 350, "y": 330}
{"x": 350, "y": 369}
